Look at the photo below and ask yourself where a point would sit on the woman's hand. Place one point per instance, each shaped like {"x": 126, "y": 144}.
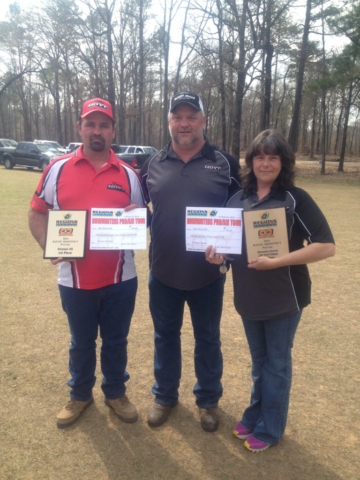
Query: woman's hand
{"x": 213, "y": 257}
{"x": 263, "y": 263}
{"x": 309, "y": 254}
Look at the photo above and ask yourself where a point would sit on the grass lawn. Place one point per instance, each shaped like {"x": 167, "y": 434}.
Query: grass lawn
{"x": 322, "y": 436}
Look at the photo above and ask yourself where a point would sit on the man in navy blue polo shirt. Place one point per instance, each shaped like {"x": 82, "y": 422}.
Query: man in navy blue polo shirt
{"x": 189, "y": 171}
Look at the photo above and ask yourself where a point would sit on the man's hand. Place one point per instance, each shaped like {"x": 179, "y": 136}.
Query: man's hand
{"x": 213, "y": 257}
{"x": 131, "y": 207}
{"x": 55, "y": 261}
{"x": 38, "y": 224}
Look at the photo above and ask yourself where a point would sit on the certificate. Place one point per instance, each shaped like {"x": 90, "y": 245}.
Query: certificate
{"x": 65, "y": 234}
{"x": 219, "y": 227}
{"x": 266, "y": 233}
{"x": 115, "y": 229}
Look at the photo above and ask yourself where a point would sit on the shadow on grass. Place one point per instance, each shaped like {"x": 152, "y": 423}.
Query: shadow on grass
{"x": 181, "y": 450}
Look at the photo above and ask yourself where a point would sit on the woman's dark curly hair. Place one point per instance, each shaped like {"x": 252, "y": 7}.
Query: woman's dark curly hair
{"x": 269, "y": 142}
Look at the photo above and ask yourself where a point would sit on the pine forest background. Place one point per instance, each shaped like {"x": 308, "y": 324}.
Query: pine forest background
{"x": 284, "y": 64}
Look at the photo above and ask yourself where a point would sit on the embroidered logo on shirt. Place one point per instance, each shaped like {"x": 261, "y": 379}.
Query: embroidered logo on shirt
{"x": 115, "y": 186}
{"x": 212, "y": 167}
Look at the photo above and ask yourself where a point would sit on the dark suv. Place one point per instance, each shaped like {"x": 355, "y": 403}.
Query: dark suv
{"x": 30, "y": 154}
{"x": 6, "y": 145}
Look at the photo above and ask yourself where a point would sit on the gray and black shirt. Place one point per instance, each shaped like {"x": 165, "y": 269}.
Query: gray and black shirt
{"x": 208, "y": 179}
{"x": 266, "y": 294}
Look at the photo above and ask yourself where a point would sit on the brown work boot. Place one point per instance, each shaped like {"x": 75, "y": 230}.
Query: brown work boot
{"x": 158, "y": 414}
{"x": 123, "y": 408}
{"x": 209, "y": 419}
{"x": 71, "y": 412}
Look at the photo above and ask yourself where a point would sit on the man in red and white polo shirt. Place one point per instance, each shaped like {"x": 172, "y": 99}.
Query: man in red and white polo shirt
{"x": 97, "y": 291}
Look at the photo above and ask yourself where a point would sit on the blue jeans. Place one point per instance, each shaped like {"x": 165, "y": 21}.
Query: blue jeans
{"x": 167, "y": 309}
{"x": 270, "y": 343}
{"x": 109, "y": 308}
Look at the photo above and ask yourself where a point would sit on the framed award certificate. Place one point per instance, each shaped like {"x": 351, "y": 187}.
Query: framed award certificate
{"x": 266, "y": 233}
{"x": 66, "y": 233}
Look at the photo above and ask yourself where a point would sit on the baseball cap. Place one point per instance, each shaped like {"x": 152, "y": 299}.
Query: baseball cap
{"x": 189, "y": 98}
{"x": 97, "y": 105}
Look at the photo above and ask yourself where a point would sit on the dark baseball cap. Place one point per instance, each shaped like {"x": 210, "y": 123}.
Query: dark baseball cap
{"x": 97, "y": 105}
{"x": 189, "y": 98}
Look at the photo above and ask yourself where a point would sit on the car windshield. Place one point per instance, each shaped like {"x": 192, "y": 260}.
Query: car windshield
{"x": 9, "y": 143}
{"x": 150, "y": 149}
{"x": 54, "y": 145}
{"x": 45, "y": 148}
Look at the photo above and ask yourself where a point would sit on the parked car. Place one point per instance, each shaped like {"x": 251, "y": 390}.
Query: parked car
{"x": 6, "y": 145}
{"x": 137, "y": 149}
{"x": 116, "y": 148}
{"x": 52, "y": 144}
{"x": 72, "y": 146}
{"x": 6, "y": 142}
{"x": 134, "y": 155}
{"x": 30, "y": 155}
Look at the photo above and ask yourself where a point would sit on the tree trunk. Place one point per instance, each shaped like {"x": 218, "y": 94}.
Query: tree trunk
{"x": 110, "y": 56}
{"x": 294, "y": 127}
{"x": 221, "y": 79}
{"x": 122, "y": 97}
{"x": 59, "y": 129}
{"x": 338, "y": 126}
{"x": 265, "y": 121}
{"x": 324, "y": 130}
{"x": 345, "y": 130}
{"x": 241, "y": 76}
{"x": 139, "y": 111}
{"x": 323, "y": 98}
{"x": 313, "y": 130}
{"x": 166, "y": 46}
{"x": 269, "y": 53}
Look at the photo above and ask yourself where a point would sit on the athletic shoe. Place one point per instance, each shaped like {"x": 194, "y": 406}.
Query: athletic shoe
{"x": 255, "y": 445}
{"x": 241, "y": 432}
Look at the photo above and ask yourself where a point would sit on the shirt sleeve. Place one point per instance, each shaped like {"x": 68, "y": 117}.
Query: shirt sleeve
{"x": 42, "y": 200}
{"x": 143, "y": 176}
{"x": 138, "y": 195}
{"x": 234, "y": 172}
{"x": 310, "y": 222}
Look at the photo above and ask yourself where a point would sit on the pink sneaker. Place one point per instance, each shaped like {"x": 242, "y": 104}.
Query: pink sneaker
{"x": 241, "y": 432}
{"x": 255, "y": 445}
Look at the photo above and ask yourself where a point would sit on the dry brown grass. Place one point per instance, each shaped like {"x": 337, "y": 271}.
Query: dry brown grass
{"x": 311, "y": 171}
{"x": 322, "y": 436}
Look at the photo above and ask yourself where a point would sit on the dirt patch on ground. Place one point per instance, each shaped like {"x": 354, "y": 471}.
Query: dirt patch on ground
{"x": 321, "y": 441}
